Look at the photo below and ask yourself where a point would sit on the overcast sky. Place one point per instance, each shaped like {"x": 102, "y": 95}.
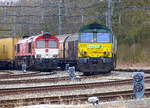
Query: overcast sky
{"x": 8, "y": 0}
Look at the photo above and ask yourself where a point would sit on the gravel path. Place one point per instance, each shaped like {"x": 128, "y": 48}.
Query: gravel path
{"x": 113, "y": 76}
{"x": 144, "y": 103}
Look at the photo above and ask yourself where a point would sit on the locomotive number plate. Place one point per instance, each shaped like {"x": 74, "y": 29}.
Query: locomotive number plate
{"x": 94, "y": 46}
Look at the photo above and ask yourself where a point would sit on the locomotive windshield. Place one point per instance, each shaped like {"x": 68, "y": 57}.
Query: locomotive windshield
{"x": 103, "y": 37}
{"x": 95, "y": 37}
{"x": 40, "y": 44}
{"x": 86, "y": 37}
{"x": 52, "y": 44}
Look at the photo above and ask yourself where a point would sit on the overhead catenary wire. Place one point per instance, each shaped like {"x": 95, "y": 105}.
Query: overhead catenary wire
{"x": 60, "y": 6}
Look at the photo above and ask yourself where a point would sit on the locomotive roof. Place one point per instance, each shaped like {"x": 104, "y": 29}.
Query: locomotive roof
{"x": 32, "y": 38}
{"x": 67, "y": 37}
{"x": 29, "y": 39}
{"x": 94, "y": 25}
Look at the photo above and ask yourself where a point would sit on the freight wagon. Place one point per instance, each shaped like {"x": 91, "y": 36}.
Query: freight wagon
{"x": 7, "y": 52}
{"x": 68, "y": 50}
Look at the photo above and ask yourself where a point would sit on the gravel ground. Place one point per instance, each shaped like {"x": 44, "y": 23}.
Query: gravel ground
{"x": 5, "y": 72}
{"x": 17, "y": 71}
{"x": 144, "y": 103}
{"x": 58, "y": 106}
{"x": 56, "y": 83}
{"x": 74, "y": 92}
{"x": 134, "y": 66}
{"x": 113, "y": 76}
{"x": 51, "y": 75}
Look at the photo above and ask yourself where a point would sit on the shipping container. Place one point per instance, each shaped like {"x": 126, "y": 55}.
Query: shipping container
{"x": 7, "y": 48}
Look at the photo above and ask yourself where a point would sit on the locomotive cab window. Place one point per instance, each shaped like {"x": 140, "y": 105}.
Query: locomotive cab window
{"x": 52, "y": 44}
{"x": 104, "y": 37}
{"x": 86, "y": 37}
{"x": 40, "y": 44}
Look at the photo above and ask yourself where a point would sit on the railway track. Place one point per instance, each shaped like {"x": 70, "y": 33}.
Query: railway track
{"x": 48, "y": 80}
{"x": 68, "y": 99}
{"x": 65, "y": 87}
{"x": 56, "y": 79}
{"x": 5, "y": 76}
{"x": 5, "y": 72}
{"x": 63, "y": 99}
{"x": 134, "y": 70}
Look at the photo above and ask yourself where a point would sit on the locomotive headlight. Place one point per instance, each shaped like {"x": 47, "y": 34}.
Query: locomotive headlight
{"x": 38, "y": 55}
{"x": 106, "y": 53}
{"x": 83, "y": 52}
{"x": 55, "y": 55}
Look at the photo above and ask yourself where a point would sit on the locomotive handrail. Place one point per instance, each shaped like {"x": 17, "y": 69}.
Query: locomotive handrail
{"x": 64, "y": 48}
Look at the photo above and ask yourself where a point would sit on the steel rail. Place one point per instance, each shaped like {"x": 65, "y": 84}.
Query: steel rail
{"x": 76, "y": 99}
{"x": 64, "y": 87}
{"x": 133, "y": 70}
{"x": 23, "y": 75}
{"x": 41, "y": 80}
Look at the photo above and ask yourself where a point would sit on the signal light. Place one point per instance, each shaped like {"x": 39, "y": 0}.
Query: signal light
{"x": 138, "y": 84}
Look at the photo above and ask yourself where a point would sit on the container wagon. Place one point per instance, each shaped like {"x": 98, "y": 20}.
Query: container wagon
{"x": 7, "y": 52}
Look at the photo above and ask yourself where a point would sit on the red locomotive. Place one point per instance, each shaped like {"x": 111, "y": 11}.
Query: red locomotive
{"x": 38, "y": 52}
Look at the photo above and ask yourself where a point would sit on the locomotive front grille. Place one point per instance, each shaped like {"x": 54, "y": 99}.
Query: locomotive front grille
{"x": 95, "y": 60}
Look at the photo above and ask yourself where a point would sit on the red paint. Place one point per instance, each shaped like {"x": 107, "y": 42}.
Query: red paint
{"x": 24, "y": 45}
{"x": 46, "y": 50}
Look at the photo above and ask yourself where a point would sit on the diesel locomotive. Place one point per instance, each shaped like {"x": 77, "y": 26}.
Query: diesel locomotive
{"x": 97, "y": 46}
{"x": 92, "y": 50}
{"x": 38, "y": 52}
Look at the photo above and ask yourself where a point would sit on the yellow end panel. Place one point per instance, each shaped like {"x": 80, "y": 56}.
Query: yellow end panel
{"x": 95, "y": 50}
{"x": 7, "y": 48}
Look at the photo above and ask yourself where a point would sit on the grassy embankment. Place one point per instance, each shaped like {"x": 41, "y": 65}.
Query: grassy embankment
{"x": 135, "y": 55}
